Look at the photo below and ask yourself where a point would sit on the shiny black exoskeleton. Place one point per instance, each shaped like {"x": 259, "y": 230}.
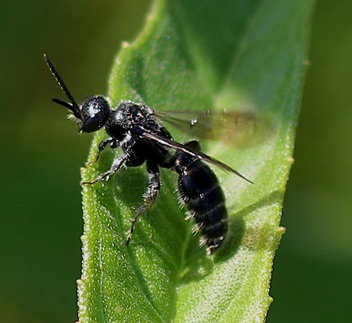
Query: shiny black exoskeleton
{"x": 199, "y": 189}
{"x": 135, "y": 129}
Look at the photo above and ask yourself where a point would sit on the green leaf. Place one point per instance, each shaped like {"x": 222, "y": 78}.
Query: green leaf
{"x": 198, "y": 55}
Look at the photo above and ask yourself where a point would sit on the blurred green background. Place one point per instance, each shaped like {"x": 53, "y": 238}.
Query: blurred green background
{"x": 41, "y": 153}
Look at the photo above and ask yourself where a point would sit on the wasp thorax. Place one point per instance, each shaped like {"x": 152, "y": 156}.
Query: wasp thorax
{"x": 94, "y": 113}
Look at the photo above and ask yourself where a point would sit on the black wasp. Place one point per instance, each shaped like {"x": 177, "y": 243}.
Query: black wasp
{"x": 135, "y": 129}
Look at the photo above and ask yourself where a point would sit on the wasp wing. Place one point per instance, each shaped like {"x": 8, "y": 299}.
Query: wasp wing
{"x": 239, "y": 128}
{"x": 178, "y": 146}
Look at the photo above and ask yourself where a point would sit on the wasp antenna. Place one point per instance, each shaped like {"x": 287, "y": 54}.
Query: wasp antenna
{"x": 67, "y": 105}
{"x": 73, "y": 106}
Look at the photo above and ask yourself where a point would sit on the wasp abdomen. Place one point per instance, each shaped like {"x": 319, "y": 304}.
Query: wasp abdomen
{"x": 199, "y": 189}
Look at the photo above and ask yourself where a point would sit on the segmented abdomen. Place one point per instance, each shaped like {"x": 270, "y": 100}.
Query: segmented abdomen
{"x": 200, "y": 190}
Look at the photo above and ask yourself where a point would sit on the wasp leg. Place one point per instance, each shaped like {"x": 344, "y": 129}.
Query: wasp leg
{"x": 149, "y": 197}
{"x": 112, "y": 142}
{"x": 116, "y": 165}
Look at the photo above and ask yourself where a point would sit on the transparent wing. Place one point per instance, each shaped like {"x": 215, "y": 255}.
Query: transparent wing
{"x": 238, "y": 128}
{"x": 142, "y": 133}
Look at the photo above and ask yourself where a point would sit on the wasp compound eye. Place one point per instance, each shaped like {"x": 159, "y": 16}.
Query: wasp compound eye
{"x": 94, "y": 113}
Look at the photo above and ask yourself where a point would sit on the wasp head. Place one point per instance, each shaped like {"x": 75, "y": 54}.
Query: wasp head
{"x": 91, "y": 115}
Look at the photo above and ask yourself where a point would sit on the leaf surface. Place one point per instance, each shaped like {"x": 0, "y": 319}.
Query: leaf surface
{"x": 198, "y": 55}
